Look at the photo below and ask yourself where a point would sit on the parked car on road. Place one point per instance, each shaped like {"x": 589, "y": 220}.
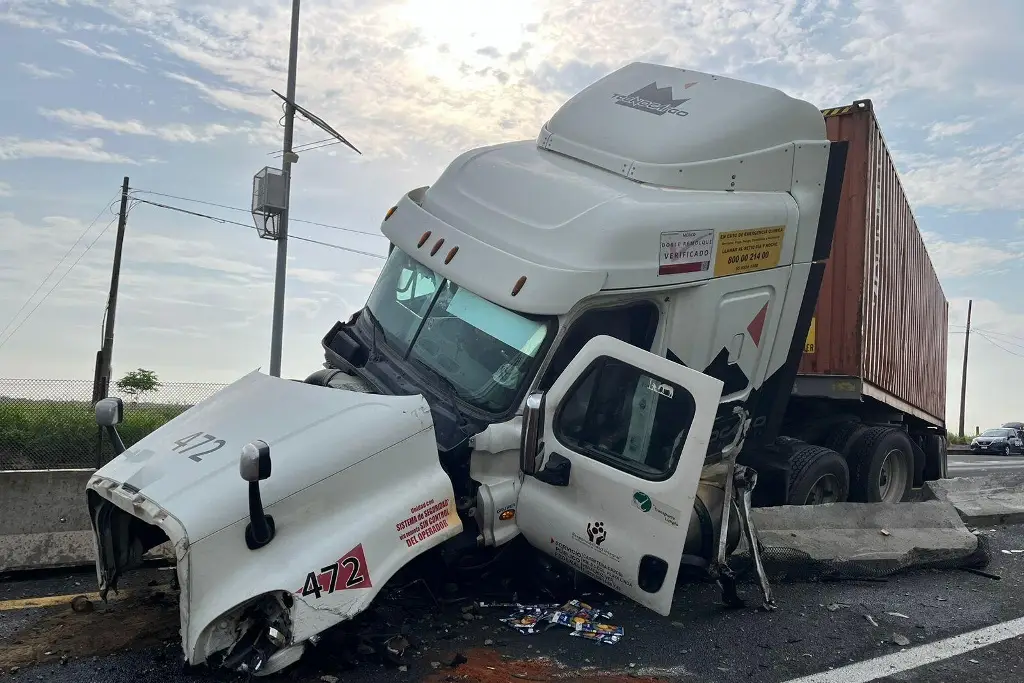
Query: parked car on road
{"x": 1001, "y": 440}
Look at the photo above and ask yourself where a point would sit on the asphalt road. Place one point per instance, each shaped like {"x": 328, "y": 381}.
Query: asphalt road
{"x": 967, "y": 465}
{"x": 818, "y": 626}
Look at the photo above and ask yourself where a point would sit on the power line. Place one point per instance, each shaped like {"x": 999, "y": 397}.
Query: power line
{"x": 250, "y": 227}
{"x": 238, "y": 208}
{"x": 1001, "y": 348}
{"x": 335, "y": 246}
{"x": 57, "y": 265}
{"x": 54, "y": 288}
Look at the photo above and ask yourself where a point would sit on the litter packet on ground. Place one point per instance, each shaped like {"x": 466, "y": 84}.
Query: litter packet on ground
{"x": 581, "y": 618}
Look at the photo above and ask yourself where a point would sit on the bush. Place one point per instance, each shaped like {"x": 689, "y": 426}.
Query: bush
{"x": 53, "y": 434}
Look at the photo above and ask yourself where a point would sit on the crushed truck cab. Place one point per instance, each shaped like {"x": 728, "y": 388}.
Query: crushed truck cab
{"x": 572, "y": 341}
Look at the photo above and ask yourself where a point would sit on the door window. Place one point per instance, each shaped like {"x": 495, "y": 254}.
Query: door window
{"x": 626, "y": 418}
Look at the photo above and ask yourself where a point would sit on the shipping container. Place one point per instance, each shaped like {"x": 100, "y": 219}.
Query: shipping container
{"x": 879, "y": 331}
{"x": 865, "y": 419}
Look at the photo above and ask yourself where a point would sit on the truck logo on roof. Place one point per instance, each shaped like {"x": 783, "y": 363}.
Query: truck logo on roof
{"x": 653, "y": 100}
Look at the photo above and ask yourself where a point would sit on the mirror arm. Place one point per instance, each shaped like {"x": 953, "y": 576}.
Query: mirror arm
{"x": 260, "y": 529}
{"x": 115, "y": 439}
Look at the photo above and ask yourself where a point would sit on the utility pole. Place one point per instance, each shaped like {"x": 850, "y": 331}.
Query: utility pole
{"x": 963, "y": 382}
{"x": 101, "y": 382}
{"x": 277, "y": 327}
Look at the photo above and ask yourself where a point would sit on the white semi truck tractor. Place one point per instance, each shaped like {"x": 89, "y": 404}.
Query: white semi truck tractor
{"x": 550, "y": 352}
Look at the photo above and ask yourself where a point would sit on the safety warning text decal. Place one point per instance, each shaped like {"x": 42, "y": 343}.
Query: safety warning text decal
{"x": 427, "y": 519}
{"x": 745, "y": 251}
{"x": 685, "y": 252}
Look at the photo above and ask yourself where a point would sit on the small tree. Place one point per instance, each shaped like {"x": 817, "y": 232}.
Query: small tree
{"x": 138, "y": 382}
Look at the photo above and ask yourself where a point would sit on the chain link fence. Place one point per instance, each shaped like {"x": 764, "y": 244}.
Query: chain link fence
{"x": 50, "y": 423}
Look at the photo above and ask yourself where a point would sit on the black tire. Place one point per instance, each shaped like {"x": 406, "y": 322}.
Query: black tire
{"x": 935, "y": 457}
{"x": 818, "y": 475}
{"x": 842, "y": 436}
{"x": 873, "y": 448}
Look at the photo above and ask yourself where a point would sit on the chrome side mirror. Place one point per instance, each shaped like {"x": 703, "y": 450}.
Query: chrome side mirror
{"x": 254, "y": 466}
{"x": 531, "y": 442}
{"x": 109, "y": 412}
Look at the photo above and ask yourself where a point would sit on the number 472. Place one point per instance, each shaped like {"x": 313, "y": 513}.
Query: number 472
{"x": 207, "y": 443}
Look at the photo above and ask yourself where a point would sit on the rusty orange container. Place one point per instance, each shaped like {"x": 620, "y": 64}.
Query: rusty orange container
{"x": 879, "y": 331}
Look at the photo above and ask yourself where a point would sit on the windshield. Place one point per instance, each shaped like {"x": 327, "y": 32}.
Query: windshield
{"x": 484, "y": 350}
{"x": 997, "y": 432}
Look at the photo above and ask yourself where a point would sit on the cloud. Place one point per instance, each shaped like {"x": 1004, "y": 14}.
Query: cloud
{"x": 107, "y": 52}
{"x": 177, "y": 132}
{"x": 6, "y": 190}
{"x": 27, "y": 16}
{"x": 39, "y": 72}
{"x": 969, "y": 257}
{"x": 940, "y": 130}
{"x": 969, "y": 178}
{"x": 89, "y": 150}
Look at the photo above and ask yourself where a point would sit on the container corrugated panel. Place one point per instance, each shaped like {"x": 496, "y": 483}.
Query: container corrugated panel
{"x": 881, "y": 314}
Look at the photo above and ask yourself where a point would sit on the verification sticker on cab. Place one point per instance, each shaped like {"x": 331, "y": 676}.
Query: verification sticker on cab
{"x": 746, "y": 251}
{"x": 685, "y": 252}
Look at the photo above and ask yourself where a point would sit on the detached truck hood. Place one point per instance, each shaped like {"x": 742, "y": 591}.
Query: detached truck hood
{"x": 189, "y": 467}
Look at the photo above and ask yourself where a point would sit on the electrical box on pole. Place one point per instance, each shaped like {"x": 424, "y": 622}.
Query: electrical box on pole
{"x": 269, "y": 200}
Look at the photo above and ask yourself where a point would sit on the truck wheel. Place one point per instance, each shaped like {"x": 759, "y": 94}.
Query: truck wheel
{"x": 881, "y": 463}
{"x": 842, "y": 436}
{"x": 817, "y": 476}
{"x": 935, "y": 460}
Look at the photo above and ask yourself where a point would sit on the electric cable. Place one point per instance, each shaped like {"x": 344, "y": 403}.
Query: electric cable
{"x": 106, "y": 206}
{"x": 238, "y": 208}
{"x": 250, "y": 227}
{"x": 55, "y": 286}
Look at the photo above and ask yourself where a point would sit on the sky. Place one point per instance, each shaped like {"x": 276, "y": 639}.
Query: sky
{"x": 176, "y": 95}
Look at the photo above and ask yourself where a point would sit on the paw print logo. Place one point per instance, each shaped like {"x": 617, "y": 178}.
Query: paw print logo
{"x": 596, "y": 532}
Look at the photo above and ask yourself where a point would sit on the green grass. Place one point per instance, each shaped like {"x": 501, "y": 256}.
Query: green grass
{"x": 48, "y": 434}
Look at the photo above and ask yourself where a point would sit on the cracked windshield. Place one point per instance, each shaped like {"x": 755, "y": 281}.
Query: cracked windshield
{"x": 484, "y": 350}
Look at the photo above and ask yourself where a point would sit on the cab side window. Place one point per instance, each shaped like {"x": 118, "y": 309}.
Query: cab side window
{"x": 626, "y": 418}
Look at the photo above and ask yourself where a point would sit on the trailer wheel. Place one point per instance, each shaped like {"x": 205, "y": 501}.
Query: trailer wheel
{"x": 842, "y": 436}
{"x": 818, "y": 475}
{"x": 881, "y": 466}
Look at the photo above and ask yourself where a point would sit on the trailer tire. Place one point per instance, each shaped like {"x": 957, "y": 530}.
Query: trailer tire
{"x": 818, "y": 475}
{"x": 843, "y": 436}
{"x": 881, "y": 464}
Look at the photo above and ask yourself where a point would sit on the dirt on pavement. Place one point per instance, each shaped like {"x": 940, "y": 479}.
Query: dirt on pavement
{"x": 144, "y": 619}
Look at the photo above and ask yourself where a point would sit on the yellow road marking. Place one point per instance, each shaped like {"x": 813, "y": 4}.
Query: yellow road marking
{"x": 56, "y": 600}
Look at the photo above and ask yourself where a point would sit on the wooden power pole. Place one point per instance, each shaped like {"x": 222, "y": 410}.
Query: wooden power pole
{"x": 101, "y": 380}
{"x": 963, "y": 381}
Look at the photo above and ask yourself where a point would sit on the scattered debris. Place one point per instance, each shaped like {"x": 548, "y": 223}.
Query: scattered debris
{"x": 900, "y": 640}
{"x": 871, "y": 619}
{"x": 82, "y": 605}
{"x": 885, "y": 532}
{"x": 979, "y": 572}
{"x": 578, "y": 616}
{"x": 836, "y": 606}
{"x": 329, "y": 679}
{"x": 897, "y": 614}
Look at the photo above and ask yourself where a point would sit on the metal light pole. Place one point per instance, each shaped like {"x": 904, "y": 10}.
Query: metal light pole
{"x": 277, "y": 329}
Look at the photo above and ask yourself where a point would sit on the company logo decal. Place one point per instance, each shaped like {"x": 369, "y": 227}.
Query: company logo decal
{"x": 654, "y": 100}
{"x": 596, "y": 532}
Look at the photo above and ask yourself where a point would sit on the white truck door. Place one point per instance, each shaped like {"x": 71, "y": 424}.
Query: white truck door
{"x": 612, "y": 456}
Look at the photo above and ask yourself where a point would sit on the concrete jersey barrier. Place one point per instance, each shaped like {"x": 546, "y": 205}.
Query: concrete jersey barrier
{"x": 44, "y": 520}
